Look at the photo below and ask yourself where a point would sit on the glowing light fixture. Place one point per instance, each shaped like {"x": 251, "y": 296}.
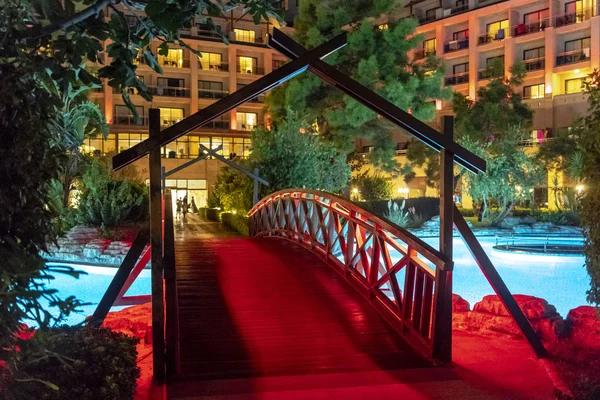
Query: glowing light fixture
{"x": 579, "y": 188}
{"x": 518, "y": 188}
{"x": 576, "y": 71}
{"x": 355, "y": 190}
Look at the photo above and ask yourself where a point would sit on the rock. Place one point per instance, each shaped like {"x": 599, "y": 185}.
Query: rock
{"x": 521, "y": 229}
{"x": 509, "y": 222}
{"x": 533, "y": 307}
{"x": 528, "y": 220}
{"x": 92, "y": 253}
{"x": 570, "y": 230}
{"x": 459, "y": 304}
{"x": 544, "y": 227}
{"x": 490, "y": 316}
{"x": 135, "y": 321}
{"x": 585, "y": 325}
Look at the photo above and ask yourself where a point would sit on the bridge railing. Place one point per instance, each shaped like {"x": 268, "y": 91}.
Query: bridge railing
{"x": 393, "y": 268}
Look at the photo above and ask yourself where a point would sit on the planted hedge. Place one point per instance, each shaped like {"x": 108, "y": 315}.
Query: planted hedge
{"x": 237, "y": 222}
{"x": 427, "y": 207}
{"x": 76, "y": 363}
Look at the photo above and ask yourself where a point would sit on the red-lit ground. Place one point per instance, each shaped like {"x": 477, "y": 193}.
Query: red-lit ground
{"x": 266, "y": 319}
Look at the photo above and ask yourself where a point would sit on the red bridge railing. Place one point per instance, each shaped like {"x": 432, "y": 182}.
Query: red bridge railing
{"x": 393, "y": 268}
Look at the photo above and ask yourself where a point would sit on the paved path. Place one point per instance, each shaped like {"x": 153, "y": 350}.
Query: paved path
{"x": 266, "y": 319}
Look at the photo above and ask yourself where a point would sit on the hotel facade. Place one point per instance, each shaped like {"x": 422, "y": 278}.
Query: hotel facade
{"x": 558, "y": 41}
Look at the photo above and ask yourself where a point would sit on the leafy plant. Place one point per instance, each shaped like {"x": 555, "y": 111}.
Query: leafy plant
{"x": 397, "y": 214}
{"x": 74, "y": 363}
{"x": 109, "y": 202}
{"x": 416, "y": 219}
{"x": 237, "y": 222}
{"x": 373, "y": 186}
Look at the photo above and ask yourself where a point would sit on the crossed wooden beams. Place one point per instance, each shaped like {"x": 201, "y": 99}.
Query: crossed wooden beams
{"x": 301, "y": 60}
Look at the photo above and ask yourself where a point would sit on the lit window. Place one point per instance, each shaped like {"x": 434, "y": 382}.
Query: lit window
{"x": 383, "y": 27}
{"x": 574, "y": 85}
{"x": 246, "y": 65}
{"x": 210, "y": 61}
{"x": 243, "y": 35}
{"x": 246, "y": 121}
{"x": 534, "y": 91}
{"x": 495, "y": 27}
{"x": 173, "y": 59}
{"x": 429, "y": 46}
{"x": 170, "y": 116}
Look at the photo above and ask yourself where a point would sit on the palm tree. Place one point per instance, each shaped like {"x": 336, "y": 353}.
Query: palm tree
{"x": 78, "y": 120}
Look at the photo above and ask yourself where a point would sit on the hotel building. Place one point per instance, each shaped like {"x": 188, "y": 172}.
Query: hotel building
{"x": 557, "y": 40}
{"x": 190, "y": 83}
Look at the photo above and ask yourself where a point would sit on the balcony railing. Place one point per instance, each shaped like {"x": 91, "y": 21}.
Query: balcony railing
{"x": 250, "y": 71}
{"x": 572, "y": 57}
{"x": 456, "y": 45}
{"x": 490, "y": 37}
{"x": 182, "y": 63}
{"x": 422, "y": 53}
{"x": 457, "y": 79}
{"x": 257, "y": 38}
{"x": 129, "y": 120}
{"x": 211, "y": 94}
{"x": 221, "y": 125}
{"x": 535, "y": 64}
{"x": 257, "y": 99}
{"x": 532, "y": 27}
{"x": 573, "y": 18}
{"x": 169, "y": 91}
{"x": 459, "y": 9}
{"x": 220, "y": 67}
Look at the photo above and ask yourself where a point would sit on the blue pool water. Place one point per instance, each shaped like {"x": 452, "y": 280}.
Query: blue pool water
{"x": 561, "y": 281}
{"x": 90, "y": 288}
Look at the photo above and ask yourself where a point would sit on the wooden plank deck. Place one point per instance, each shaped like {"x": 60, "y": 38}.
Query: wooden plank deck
{"x": 267, "y": 307}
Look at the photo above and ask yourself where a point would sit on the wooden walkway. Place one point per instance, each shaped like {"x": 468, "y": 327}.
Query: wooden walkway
{"x": 265, "y": 319}
{"x": 266, "y": 307}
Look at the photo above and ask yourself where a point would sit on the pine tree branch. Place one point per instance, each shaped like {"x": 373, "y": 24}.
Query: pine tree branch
{"x": 38, "y": 32}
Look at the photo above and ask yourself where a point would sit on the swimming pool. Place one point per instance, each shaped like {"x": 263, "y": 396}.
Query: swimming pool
{"x": 561, "y": 281}
{"x": 91, "y": 287}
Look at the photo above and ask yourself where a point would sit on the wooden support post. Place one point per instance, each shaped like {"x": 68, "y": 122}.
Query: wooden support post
{"x": 172, "y": 314}
{"x": 156, "y": 243}
{"x": 442, "y": 333}
{"x": 163, "y": 177}
{"x": 255, "y": 193}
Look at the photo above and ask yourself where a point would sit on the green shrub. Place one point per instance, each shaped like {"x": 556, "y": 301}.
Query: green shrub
{"x": 397, "y": 214}
{"x": 468, "y": 212}
{"x": 110, "y": 202}
{"x": 202, "y": 212}
{"x": 567, "y": 218}
{"x": 373, "y": 187}
{"x": 212, "y": 214}
{"x": 76, "y": 363}
{"x": 427, "y": 207}
{"x": 237, "y": 222}
{"x": 416, "y": 219}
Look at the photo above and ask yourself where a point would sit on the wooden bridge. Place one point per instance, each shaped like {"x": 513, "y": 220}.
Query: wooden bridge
{"x": 322, "y": 288}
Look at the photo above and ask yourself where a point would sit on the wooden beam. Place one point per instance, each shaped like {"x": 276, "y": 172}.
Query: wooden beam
{"x": 228, "y": 103}
{"x": 120, "y": 278}
{"x": 191, "y": 162}
{"x": 378, "y": 104}
{"x": 498, "y": 284}
{"x": 233, "y": 165}
{"x": 442, "y": 328}
{"x": 171, "y": 306}
{"x": 156, "y": 245}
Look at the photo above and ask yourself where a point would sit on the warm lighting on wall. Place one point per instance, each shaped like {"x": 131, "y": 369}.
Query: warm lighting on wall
{"x": 576, "y": 71}
{"x": 438, "y": 104}
{"x": 548, "y": 89}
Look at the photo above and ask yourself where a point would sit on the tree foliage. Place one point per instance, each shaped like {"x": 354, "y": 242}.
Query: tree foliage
{"x": 490, "y": 127}
{"x": 60, "y": 36}
{"x": 109, "y": 202}
{"x": 377, "y": 58}
{"x": 288, "y": 156}
{"x": 372, "y": 186}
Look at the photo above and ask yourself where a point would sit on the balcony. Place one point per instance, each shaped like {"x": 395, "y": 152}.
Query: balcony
{"x": 169, "y": 91}
{"x": 130, "y": 120}
{"x": 257, "y": 99}
{"x": 422, "y": 53}
{"x": 532, "y": 27}
{"x": 535, "y": 64}
{"x": 211, "y": 94}
{"x": 457, "y": 79}
{"x": 218, "y": 67}
{"x": 573, "y": 18}
{"x": 246, "y": 38}
{"x": 459, "y": 9}
{"x": 572, "y": 57}
{"x": 220, "y": 125}
{"x": 490, "y": 37}
{"x": 250, "y": 70}
{"x": 181, "y": 63}
{"x": 456, "y": 45}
